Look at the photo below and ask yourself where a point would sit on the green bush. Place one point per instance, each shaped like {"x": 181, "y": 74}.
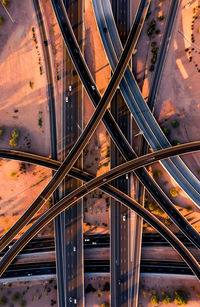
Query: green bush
{"x": 180, "y": 297}
{"x": 153, "y": 44}
{"x": 175, "y": 142}
{"x": 161, "y": 17}
{"x": 3, "y": 301}
{"x": 166, "y": 131}
{"x": 175, "y": 123}
{"x": 157, "y": 174}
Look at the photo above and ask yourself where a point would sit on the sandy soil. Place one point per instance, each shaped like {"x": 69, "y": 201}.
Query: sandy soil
{"x": 159, "y": 284}
{"x": 34, "y": 293}
{"x": 96, "y": 154}
{"x": 178, "y": 97}
{"x": 98, "y": 297}
{"x": 21, "y": 107}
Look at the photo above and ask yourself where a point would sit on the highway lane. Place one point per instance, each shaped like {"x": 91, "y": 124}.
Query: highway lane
{"x": 124, "y": 240}
{"x": 80, "y": 144}
{"x": 118, "y": 195}
{"x": 72, "y": 219}
{"x": 112, "y": 127}
{"x": 137, "y": 105}
{"x": 172, "y": 212}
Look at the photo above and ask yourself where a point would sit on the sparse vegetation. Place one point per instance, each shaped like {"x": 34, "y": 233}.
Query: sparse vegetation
{"x": 16, "y": 297}
{"x": 166, "y": 131}
{"x": 3, "y": 301}
{"x": 14, "y": 140}
{"x": 13, "y": 174}
{"x": 189, "y": 208}
{"x": 5, "y": 2}
{"x": 175, "y": 142}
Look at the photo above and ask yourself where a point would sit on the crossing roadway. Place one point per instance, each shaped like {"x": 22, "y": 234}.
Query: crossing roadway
{"x": 118, "y": 195}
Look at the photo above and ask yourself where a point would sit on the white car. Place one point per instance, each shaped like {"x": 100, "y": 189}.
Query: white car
{"x": 127, "y": 176}
{"x": 93, "y": 87}
{"x": 87, "y": 240}
{"x": 74, "y": 249}
{"x": 70, "y": 88}
{"x": 70, "y": 299}
{"x": 75, "y": 301}
{"x": 124, "y": 218}
{"x": 66, "y": 99}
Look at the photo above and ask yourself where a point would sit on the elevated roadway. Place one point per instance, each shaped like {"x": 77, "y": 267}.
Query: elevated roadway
{"x": 79, "y": 145}
{"x": 136, "y": 103}
{"x": 112, "y": 127}
{"x": 95, "y": 183}
{"x": 176, "y": 217}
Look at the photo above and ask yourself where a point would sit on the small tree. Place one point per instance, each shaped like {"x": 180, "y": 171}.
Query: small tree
{"x": 15, "y": 133}
{"x": 89, "y": 289}
{"x": 13, "y": 142}
{"x": 180, "y": 297}
{"x": 161, "y": 17}
{"x": 105, "y": 304}
{"x": 152, "y": 206}
{"x": 174, "y": 192}
{"x": 1, "y": 131}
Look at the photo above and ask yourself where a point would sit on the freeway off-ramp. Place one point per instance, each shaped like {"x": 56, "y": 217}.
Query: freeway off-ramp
{"x": 98, "y": 181}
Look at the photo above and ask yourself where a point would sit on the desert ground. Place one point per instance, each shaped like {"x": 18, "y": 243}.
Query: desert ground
{"x": 30, "y": 293}
{"x": 166, "y": 283}
{"x": 24, "y": 107}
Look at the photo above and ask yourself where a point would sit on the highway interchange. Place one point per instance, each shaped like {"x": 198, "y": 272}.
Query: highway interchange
{"x": 145, "y": 121}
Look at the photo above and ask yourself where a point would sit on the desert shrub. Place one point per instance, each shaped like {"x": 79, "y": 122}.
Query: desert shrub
{"x": 173, "y": 192}
{"x": 89, "y": 289}
{"x": 1, "y": 20}
{"x": 166, "y": 131}
{"x": 157, "y": 174}
{"x": 180, "y": 297}
{"x": 161, "y": 17}
{"x": 154, "y": 299}
{"x": 152, "y": 206}
{"x": 175, "y": 123}
{"x": 189, "y": 208}
{"x": 106, "y": 287}
{"x": 166, "y": 299}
